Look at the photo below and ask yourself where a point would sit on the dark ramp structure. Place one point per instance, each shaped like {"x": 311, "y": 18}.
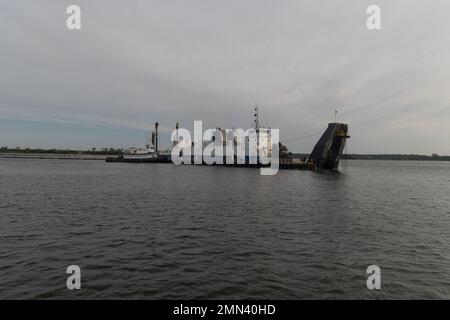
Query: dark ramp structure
{"x": 328, "y": 150}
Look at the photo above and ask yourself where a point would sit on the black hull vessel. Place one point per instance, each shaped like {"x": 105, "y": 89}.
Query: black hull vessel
{"x": 326, "y": 154}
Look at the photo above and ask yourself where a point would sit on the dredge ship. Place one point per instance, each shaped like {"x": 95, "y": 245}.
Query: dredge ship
{"x": 325, "y": 155}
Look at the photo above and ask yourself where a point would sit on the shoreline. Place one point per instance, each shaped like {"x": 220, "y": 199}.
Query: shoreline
{"x": 55, "y": 156}
{"x": 61, "y": 156}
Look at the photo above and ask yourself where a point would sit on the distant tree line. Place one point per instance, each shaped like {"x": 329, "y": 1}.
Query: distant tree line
{"x": 416, "y": 157}
{"x": 93, "y": 151}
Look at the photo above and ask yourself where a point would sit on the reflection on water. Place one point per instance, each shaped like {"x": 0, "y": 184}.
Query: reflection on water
{"x": 160, "y": 231}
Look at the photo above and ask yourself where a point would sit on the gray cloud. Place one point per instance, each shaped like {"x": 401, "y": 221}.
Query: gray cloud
{"x": 135, "y": 62}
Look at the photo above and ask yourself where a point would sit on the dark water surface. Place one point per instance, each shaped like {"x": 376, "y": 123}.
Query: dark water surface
{"x": 161, "y": 231}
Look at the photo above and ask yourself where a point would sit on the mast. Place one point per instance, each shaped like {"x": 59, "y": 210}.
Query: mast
{"x": 257, "y": 132}
{"x": 256, "y": 119}
{"x": 156, "y": 137}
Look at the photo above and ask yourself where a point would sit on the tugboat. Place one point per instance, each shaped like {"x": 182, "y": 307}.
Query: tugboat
{"x": 148, "y": 154}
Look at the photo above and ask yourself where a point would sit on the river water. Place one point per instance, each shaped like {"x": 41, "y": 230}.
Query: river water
{"x": 159, "y": 231}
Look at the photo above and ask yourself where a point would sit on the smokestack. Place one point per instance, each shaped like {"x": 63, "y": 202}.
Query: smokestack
{"x": 176, "y": 136}
{"x": 156, "y": 137}
{"x": 153, "y": 140}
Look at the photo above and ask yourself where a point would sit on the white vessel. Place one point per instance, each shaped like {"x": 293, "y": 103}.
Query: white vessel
{"x": 149, "y": 152}
{"x": 139, "y": 153}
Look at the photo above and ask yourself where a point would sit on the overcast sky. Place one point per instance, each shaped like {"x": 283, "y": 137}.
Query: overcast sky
{"x": 136, "y": 62}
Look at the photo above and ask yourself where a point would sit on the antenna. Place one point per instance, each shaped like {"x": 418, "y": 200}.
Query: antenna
{"x": 335, "y": 116}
